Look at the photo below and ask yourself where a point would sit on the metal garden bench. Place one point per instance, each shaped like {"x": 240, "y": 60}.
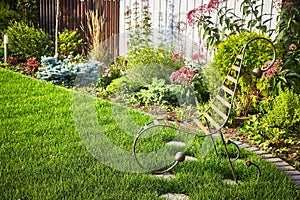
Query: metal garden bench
{"x": 213, "y": 120}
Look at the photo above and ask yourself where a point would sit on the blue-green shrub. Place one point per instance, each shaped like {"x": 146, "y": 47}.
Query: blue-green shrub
{"x": 65, "y": 72}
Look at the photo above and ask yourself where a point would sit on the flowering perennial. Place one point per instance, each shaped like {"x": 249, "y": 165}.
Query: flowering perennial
{"x": 197, "y": 13}
{"x": 183, "y": 76}
{"x": 274, "y": 69}
{"x": 292, "y": 47}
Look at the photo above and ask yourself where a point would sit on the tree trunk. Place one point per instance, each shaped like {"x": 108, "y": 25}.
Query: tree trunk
{"x": 56, "y": 27}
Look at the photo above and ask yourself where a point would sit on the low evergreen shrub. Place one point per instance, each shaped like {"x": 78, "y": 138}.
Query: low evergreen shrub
{"x": 27, "y": 42}
{"x": 285, "y": 111}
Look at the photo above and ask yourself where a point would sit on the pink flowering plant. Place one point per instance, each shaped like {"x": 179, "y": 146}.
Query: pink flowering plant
{"x": 288, "y": 30}
{"x": 230, "y": 23}
{"x": 191, "y": 77}
{"x": 183, "y": 76}
{"x": 279, "y": 76}
{"x": 274, "y": 70}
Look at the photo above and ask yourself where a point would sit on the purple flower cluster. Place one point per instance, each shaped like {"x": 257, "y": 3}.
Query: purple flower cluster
{"x": 274, "y": 69}
{"x": 183, "y": 76}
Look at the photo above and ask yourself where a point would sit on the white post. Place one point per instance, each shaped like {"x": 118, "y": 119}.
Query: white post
{"x": 56, "y": 27}
{"x": 5, "y": 47}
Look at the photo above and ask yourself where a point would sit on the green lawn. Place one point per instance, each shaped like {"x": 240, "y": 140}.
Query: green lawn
{"x": 47, "y": 152}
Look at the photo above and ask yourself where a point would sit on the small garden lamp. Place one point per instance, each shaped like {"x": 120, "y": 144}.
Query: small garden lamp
{"x": 5, "y": 41}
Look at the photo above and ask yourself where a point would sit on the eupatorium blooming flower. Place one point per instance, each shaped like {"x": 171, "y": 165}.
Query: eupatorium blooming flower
{"x": 274, "y": 69}
{"x": 292, "y": 47}
{"x": 195, "y": 14}
{"x": 183, "y": 75}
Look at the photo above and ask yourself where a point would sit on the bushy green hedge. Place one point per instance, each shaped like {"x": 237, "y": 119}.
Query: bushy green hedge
{"x": 151, "y": 55}
{"x": 27, "y": 42}
{"x": 251, "y": 89}
{"x": 7, "y": 17}
{"x": 140, "y": 66}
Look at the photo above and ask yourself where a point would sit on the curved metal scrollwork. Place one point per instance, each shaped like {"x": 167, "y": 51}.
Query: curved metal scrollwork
{"x": 258, "y": 72}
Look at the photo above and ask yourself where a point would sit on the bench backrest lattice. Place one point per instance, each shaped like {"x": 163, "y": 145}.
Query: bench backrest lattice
{"x": 212, "y": 120}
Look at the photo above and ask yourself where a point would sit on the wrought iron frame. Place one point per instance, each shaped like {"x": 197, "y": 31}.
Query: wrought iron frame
{"x": 183, "y": 126}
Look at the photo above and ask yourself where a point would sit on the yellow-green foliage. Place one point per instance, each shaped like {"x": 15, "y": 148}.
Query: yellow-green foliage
{"x": 285, "y": 111}
{"x": 69, "y": 42}
{"x": 258, "y": 52}
{"x": 27, "y": 42}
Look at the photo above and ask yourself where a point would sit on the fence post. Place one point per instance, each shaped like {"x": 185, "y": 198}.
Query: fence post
{"x": 5, "y": 47}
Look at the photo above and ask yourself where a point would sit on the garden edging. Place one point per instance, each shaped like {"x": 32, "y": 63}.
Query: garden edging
{"x": 292, "y": 173}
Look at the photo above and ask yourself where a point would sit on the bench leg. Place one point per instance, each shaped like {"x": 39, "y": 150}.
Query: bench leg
{"x": 213, "y": 141}
{"x": 227, "y": 154}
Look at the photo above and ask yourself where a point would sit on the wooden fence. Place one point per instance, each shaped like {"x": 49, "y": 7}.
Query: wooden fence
{"x": 168, "y": 19}
{"x": 170, "y": 23}
{"x": 72, "y": 15}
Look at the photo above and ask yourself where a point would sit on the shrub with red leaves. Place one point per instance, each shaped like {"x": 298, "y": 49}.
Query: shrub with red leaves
{"x": 32, "y": 66}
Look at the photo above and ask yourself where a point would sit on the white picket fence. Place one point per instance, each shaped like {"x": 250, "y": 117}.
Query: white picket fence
{"x": 170, "y": 23}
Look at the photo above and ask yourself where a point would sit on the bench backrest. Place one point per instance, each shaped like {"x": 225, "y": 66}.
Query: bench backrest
{"x": 219, "y": 111}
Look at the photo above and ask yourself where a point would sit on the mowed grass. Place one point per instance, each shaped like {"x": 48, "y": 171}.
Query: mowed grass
{"x": 44, "y": 154}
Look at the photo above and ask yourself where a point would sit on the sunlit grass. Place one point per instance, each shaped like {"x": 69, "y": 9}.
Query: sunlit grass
{"x": 43, "y": 156}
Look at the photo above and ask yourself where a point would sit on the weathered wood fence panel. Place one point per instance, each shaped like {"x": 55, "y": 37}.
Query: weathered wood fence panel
{"x": 73, "y": 15}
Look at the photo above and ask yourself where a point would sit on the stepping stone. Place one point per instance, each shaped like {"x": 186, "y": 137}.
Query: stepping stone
{"x": 260, "y": 152}
{"x": 244, "y": 145}
{"x": 296, "y": 182}
{"x": 267, "y": 156}
{"x": 296, "y": 177}
{"x": 164, "y": 176}
{"x": 291, "y": 173}
{"x": 176, "y": 143}
{"x": 273, "y": 160}
{"x": 174, "y": 196}
{"x": 237, "y": 142}
{"x": 280, "y": 164}
{"x": 229, "y": 181}
{"x": 252, "y": 148}
{"x": 286, "y": 168}
{"x": 190, "y": 158}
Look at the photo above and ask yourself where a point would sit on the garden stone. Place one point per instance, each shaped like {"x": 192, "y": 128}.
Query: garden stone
{"x": 165, "y": 176}
{"x": 176, "y": 143}
{"x": 174, "y": 196}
